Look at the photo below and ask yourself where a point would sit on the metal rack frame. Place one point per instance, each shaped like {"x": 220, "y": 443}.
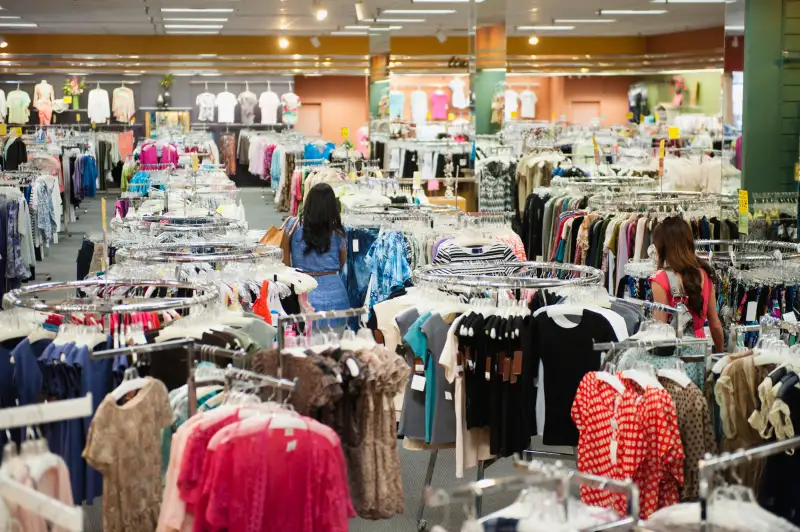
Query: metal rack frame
{"x": 678, "y": 343}
{"x": 174, "y": 253}
{"x": 25, "y": 297}
{"x": 436, "y": 274}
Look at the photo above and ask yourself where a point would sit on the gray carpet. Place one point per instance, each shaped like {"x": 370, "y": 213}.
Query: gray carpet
{"x": 60, "y": 263}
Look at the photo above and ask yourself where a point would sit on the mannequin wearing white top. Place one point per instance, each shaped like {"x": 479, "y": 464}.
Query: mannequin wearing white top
{"x": 43, "y": 91}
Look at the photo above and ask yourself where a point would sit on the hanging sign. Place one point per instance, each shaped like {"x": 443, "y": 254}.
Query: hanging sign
{"x": 345, "y": 133}
{"x": 596, "y": 150}
{"x": 513, "y": 115}
{"x": 744, "y": 212}
{"x": 661, "y": 149}
{"x": 78, "y": 117}
{"x": 195, "y": 162}
{"x": 67, "y": 99}
{"x": 416, "y": 183}
{"x": 451, "y": 117}
{"x": 17, "y": 131}
{"x": 674, "y": 133}
{"x": 629, "y": 116}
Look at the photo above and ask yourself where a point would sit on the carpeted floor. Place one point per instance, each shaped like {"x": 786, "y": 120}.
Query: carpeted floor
{"x": 261, "y": 214}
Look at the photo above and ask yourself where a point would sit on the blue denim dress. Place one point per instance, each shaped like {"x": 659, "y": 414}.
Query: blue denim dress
{"x": 330, "y": 293}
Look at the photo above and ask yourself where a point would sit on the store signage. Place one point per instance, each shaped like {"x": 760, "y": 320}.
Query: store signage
{"x": 3, "y": 129}
{"x": 17, "y": 131}
{"x": 78, "y": 117}
{"x": 451, "y": 117}
{"x": 345, "y": 133}
{"x": 744, "y": 212}
{"x": 674, "y": 133}
{"x": 661, "y": 150}
{"x": 67, "y": 99}
{"x": 457, "y": 62}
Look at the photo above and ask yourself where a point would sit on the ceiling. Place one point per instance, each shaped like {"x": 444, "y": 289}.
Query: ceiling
{"x": 296, "y": 17}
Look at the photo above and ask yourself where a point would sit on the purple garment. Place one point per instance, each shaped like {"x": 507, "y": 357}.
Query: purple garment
{"x": 437, "y": 245}
{"x": 268, "y": 161}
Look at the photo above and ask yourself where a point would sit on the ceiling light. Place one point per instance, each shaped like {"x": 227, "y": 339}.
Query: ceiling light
{"x": 321, "y": 14}
{"x": 361, "y": 11}
{"x": 533, "y": 40}
{"x": 18, "y": 25}
{"x": 348, "y": 33}
{"x": 193, "y": 26}
{"x": 315, "y": 42}
{"x": 604, "y": 12}
{"x": 545, "y": 28}
{"x": 365, "y": 28}
{"x": 419, "y": 11}
{"x": 385, "y": 28}
{"x": 404, "y": 20}
{"x": 196, "y": 10}
{"x": 441, "y": 37}
{"x": 187, "y": 19}
{"x": 210, "y": 73}
{"x": 583, "y": 20}
{"x": 9, "y": 17}
{"x": 3, "y": 43}
{"x": 283, "y": 42}
{"x": 734, "y": 28}
{"x": 192, "y": 32}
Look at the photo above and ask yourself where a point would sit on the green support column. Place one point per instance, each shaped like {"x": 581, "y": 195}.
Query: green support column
{"x": 485, "y": 84}
{"x": 771, "y": 106}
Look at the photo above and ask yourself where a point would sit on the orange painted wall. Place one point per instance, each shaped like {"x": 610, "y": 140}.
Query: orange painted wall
{"x": 405, "y": 84}
{"x": 556, "y": 94}
{"x": 344, "y": 102}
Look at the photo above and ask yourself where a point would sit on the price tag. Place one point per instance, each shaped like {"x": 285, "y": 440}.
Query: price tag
{"x": 416, "y": 183}
{"x": 674, "y": 133}
{"x": 17, "y": 131}
{"x": 596, "y": 150}
{"x": 67, "y": 99}
{"x": 750, "y": 314}
{"x": 657, "y": 117}
{"x": 797, "y": 171}
{"x": 451, "y": 116}
{"x": 78, "y": 117}
{"x": 428, "y": 116}
{"x": 513, "y": 115}
{"x": 629, "y": 116}
{"x": 345, "y": 133}
{"x": 448, "y": 396}
{"x": 661, "y": 150}
{"x": 195, "y": 162}
{"x": 94, "y": 125}
{"x": 133, "y": 120}
{"x": 744, "y": 215}
{"x": 3, "y": 129}
{"x": 53, "y": 120}
{"x": 418, "y": 383}
{"x": 744, "y": 204}
{"x": 355, "y": 246}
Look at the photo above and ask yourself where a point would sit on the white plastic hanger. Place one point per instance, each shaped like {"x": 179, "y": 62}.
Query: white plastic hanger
{"x": 129, "y": 386}
{"x": 612, "y": 380}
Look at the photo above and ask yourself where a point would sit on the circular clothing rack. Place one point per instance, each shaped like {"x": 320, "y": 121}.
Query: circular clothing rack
{"x": 197, "y": 252}
{"x": 741, "y": 252}
{"x": 164, "y": 223}
{"x": 116, "y": 298}
{"x": 507, "y": 275}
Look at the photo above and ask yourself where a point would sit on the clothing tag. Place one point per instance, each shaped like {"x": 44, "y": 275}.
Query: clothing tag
{"x": 355, "y": 245}
{"x": 539, "y": 258}
{"x": 462, "y": 162}
{"x": 750, "y": 315}
{"x": 506, "y": 368}
{"x": 352, "y": 367}
{"x": 448, "y": 396}
{"x": 459, "y": 369}
{"x": 418, "y": 383}
{"x": 614, "y": 447}
{"x": 790, "y": 317}
{"x": 291, "y": 446}
{"x": 419, "y": 368}
{"x": 517, "y": 365}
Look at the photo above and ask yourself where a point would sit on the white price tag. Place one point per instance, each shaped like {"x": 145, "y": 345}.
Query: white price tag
{"x": 790, "y": 317}
{"x": 291, "y": 446}
{"x": 419, "y": 367}
{"x": 750, "y": 315}
{"x": 418, "y": 383}
{"x": 355, "y": 246}
{"x": 352, "y": 367}
{"x": 448, "y": 396}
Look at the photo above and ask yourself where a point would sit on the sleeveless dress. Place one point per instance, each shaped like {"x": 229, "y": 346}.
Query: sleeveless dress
{"x": 330, "y": 293}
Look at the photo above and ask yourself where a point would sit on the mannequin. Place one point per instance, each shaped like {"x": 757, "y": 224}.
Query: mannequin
{"x": 43, "y": 96}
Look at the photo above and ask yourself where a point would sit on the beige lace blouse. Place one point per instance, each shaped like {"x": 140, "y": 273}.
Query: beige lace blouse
{"x": 124, "y": 444}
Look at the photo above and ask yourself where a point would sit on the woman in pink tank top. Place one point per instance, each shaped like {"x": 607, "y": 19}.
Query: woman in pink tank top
{"x": 675, "y": 248}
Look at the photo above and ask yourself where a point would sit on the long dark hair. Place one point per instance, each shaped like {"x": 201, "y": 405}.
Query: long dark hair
{"x": 674, "y": 244}
{"x": 320, "y": 218}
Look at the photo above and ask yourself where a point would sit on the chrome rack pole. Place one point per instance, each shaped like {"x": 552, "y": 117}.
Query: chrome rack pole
{"x": 710, "y": 465}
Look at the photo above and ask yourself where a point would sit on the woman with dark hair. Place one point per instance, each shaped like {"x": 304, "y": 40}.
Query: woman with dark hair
{"x": 682, "y": 277}
{"x": 315, "y": 244}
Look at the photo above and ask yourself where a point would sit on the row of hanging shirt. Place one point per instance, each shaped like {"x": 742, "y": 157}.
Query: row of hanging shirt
{"x": 268, "y": 104}
{"x": 121, "y": 106}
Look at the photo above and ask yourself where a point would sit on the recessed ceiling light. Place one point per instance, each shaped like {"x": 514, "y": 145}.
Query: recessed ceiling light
{"x": 9, "y": 17}
{"x": 190, "y": 32}
{"x": 186, "y": 19}
{"x": 18, "y": 25}
{"x": 403, "y": 20}
{"x": 193, "y": 26}
{"x": 545, "y": 28}
{"x": 603, "y": 12}
{"x": 283, "y": 42}
{"x": 583, "y": 20}
{"x": 321, "y": 14}
{"x": 419, "y": 11}
{"x": 348, "y": 33}
{"x": 196, "y": 10}
{"x": 533, "y": 40}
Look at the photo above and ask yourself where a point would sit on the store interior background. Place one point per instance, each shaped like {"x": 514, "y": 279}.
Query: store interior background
{"x": 580, "y": 76}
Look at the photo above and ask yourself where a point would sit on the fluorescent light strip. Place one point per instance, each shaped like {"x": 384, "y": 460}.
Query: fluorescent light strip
{"x": 357, "y": 28}
{"x": 583, "y": 21}
{"x": 604, "y": 12}
{"x": 348, "y": 33}
{"x": 182, "y": 19}
{"x": 418, "y": 11}
{"x": 189, "y": 32}
{"x": 545, "y": 28}
{"x": 396, "y": 20}
{"x": 193, "y": 26}
{"x": 18, "y": 25}
{"x": 9, "y": 17}
{"x": 196, "y": 10}
{"x": 373, "y": 28}
{"x": 734, "y": 28}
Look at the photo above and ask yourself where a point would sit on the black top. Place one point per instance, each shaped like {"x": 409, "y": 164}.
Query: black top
{"x": 567, "y": 355}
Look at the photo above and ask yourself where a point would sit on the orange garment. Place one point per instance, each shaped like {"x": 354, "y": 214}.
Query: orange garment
{"x": 125, "y": 141}
{"x": 260, "y": 307}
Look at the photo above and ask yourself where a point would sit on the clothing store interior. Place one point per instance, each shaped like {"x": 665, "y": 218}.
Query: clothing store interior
{"x": 380, "y": 225}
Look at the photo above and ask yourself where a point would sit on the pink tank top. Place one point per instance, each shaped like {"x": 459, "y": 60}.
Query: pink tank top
{"x": 698, "y": 320}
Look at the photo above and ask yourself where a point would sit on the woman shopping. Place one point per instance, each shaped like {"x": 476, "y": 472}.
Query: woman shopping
{"x": 315, "y": 244}
{"x": 683, "y": 278}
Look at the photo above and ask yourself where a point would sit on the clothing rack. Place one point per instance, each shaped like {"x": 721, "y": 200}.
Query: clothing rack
{"x": 63, "y": 516}
{"x": 438, "y": 274}
{"x": 678, "y": 343}
{"x": 762, "y": 250}
{"x": 178, "y": 253}
{"x": 558, "y": 478}
{"x": 709, "y": 466}
{"x": 767, "y": 322}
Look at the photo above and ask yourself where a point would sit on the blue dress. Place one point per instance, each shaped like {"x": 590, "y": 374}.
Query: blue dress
{"x": 330, "y": 293}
